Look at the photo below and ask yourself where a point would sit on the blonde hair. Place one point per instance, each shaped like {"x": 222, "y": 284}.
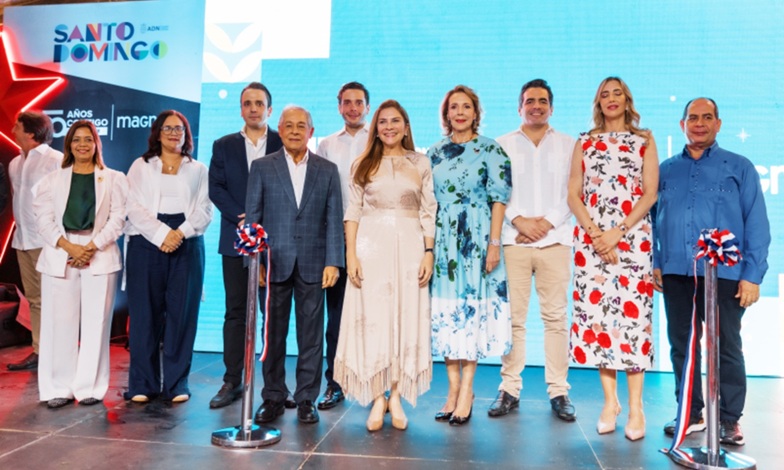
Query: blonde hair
{"x": 631, "y": 117}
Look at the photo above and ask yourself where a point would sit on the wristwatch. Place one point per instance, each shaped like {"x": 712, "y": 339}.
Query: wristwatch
{"x": 495, "y": 242}
{"x": 623, "y": 227}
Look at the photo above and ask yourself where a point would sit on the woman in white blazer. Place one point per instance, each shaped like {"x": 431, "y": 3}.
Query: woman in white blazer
{"x": 80, "y": 214}
{"x": 168, "y": 211}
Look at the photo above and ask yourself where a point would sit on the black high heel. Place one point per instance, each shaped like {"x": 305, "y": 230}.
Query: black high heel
{"x": 461, "y": 420}
{"x": 443, "y": 416}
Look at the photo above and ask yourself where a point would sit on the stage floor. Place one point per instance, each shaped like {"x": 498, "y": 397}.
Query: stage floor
{"x": 119, "y": 435}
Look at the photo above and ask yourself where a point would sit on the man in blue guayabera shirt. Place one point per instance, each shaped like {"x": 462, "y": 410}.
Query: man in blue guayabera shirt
{"x": 706, "y": 187}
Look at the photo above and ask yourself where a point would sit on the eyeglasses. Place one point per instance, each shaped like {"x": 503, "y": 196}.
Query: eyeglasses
{"x": 173, "y": 129}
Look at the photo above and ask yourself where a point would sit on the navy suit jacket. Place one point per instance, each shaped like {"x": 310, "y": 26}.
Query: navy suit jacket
{"x": 310, "y": 236}
{"x": 228, "y": 183}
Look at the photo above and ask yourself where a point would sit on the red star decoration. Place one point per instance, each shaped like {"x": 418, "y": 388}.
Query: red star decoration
{"x": 19, "y": 94}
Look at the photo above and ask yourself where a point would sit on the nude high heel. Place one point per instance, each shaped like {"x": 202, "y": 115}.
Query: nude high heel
{"x": 634, "y": 434}
{"x": 399, "y": 419}
{"x": 376, "y": 419}
{"x": 608, "y": 427}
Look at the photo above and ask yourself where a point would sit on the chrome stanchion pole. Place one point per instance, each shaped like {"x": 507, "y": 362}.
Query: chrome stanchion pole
{"x": 712, "y": 359}
{"x": 248, "y": 434}
{"x": 712, "y": 456}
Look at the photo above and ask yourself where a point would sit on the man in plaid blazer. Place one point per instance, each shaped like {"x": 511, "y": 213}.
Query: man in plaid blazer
{"x": 296, "y": 196}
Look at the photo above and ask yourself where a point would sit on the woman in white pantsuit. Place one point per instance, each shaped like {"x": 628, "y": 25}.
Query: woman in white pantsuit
{"x": 80, "y": 213}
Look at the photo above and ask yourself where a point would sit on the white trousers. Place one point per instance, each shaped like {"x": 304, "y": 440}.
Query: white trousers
{"x": 70, "y": 364}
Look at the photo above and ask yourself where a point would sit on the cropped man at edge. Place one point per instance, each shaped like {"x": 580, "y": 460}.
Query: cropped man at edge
{"x": 33, "y": 133}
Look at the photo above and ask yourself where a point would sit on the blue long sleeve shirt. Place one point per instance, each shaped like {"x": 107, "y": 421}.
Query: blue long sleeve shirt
{"x": 719, "y": 190}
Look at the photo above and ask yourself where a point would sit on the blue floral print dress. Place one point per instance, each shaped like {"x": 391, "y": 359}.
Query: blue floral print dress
{"x": 470, "y": 308}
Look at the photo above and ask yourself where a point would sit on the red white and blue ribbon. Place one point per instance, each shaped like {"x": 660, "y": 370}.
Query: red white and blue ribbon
{"x": 252, "y": 239}
{"x": 717, "y": 247}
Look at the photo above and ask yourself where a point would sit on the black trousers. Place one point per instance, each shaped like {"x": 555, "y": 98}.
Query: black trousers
{"x": 164, "y": 292}
{"x": 678, "y": 294}
{"x": 309, "y": 315}
{"x": 334, "y": 296}
{"x": 235, "y": 283}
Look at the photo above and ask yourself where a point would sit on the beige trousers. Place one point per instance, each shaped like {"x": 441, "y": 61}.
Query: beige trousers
{"x": 551, "y": 267}
{"x": 31, "y": 281}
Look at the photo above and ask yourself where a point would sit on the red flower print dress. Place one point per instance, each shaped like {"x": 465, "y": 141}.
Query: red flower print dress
{"x": 613, "y": 304}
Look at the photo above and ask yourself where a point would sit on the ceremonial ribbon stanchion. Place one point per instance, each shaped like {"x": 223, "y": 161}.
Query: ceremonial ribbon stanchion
{"x": 715, "y": 247}
{"x": 251, "y": 241}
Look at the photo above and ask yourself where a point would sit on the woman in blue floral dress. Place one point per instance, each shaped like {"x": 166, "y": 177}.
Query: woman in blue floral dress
{"x": 612, "y": 186}
{"x": 470, "y": 305}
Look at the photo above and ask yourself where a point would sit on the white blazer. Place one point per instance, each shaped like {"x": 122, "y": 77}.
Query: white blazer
{"x": 144, "y": 197}
{"x": 51, "y": 197}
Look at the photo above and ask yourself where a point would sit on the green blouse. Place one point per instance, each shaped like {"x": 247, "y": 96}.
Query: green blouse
{"x": 80, "y": 209}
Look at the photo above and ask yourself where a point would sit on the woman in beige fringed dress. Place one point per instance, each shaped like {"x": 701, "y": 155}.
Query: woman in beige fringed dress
{"x": 384, "y": 341}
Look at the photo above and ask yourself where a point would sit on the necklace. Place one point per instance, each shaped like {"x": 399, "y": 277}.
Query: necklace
{"x": 170, "y": 169}
{"x": 470, "y": 138}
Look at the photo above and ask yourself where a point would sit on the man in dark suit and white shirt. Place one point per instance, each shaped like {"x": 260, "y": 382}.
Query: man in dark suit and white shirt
{"x": 232, "y": 156}
{"x": 296, "y": 196}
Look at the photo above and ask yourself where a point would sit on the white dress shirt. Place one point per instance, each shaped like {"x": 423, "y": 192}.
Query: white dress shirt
{"x": 25, "y": 172}
{"x": 252, "y": 152}
{"x": 144, "y": 198}
{"x": 342, "y": 148}
{"x": 540, "y": 176}
{"x": 297, "y": 172}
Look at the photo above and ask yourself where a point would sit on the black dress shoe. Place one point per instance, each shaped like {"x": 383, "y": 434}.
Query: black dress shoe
{"x": 290, "y": 404}
{"x": 226, "y": 395}
{"x": 503, "y": 404}
{"x": 443, "y": 415}
{"x": 563, "y": 408}
{"x": 89, "y": 401}
{"x": 28, "y": 363}
{"x": 306, "y": 412}
{"x": 461, "y": 420}
{"x": 269, "y": 411}
{"x": 331, "y": 398}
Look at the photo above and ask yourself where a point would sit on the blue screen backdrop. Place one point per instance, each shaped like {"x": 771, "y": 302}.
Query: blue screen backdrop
{"x": 667, "y": 51}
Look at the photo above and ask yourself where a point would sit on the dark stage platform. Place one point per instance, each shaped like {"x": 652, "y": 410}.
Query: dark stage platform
{"x": 119, "y": 435}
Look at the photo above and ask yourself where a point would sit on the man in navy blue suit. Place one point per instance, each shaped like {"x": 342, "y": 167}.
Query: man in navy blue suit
{"x": 231, "y": 158}
{"x": 296, "y": 196}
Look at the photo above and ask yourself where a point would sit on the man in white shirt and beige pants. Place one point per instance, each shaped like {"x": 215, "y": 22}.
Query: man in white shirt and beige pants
{"x": 537, "y": 239}
{"x": 33, "y": 133}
